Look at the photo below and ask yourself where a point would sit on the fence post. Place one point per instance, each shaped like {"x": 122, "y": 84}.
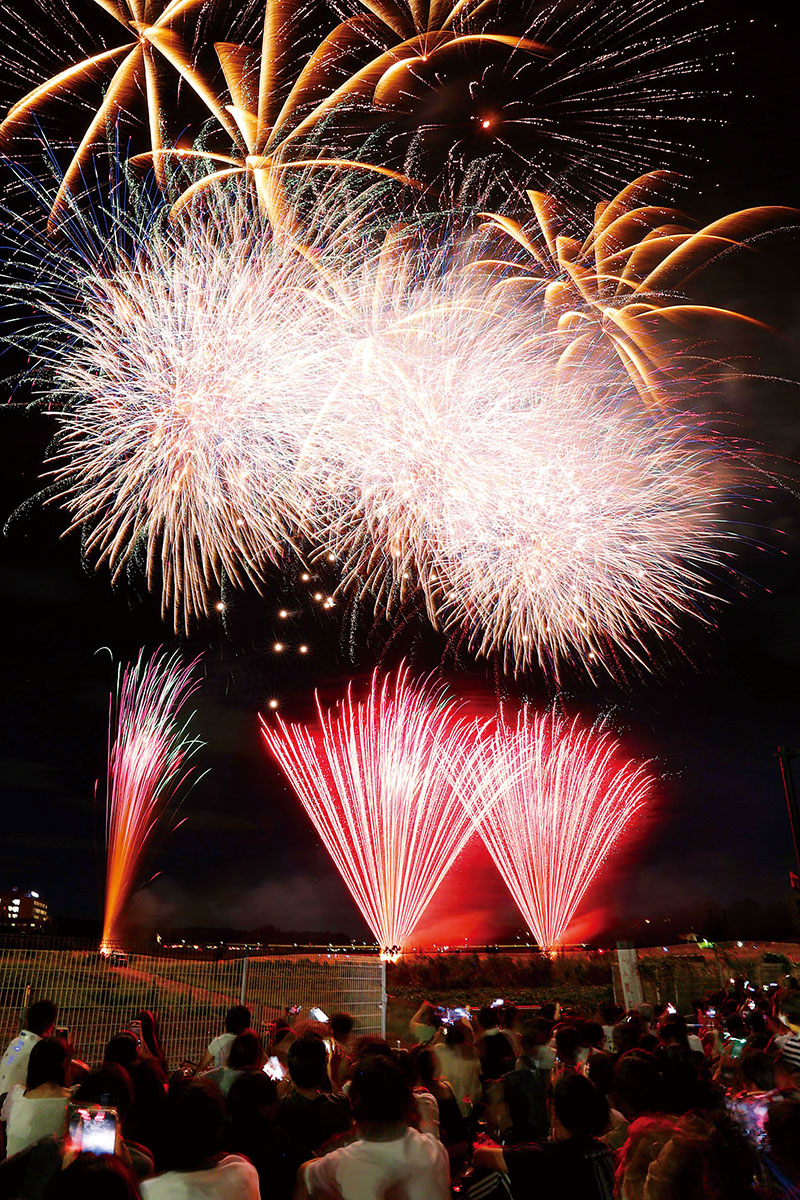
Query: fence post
{"x": 383, "y": 1000}
{"x": 243, "y": 989}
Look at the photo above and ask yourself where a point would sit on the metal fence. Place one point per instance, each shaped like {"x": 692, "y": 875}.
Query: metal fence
{"x": 97, "y": 997}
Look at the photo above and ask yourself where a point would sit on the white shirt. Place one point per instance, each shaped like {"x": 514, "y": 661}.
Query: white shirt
{"x": 416, "y": 1165}
{"x": 220, "y": 1048}
{"x": 461, "y": 1067}
{"x": 233, "y": 1178}
{"x": 28, "y": 1119}
{"x": 14, "y": 1064}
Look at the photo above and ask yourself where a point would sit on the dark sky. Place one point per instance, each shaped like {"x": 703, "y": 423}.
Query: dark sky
{"x": 711, "y": 716}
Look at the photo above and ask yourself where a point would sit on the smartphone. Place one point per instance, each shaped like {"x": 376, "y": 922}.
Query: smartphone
{"x": 136, "y": 1029}
{"x": 273, "y": 1068}
{"x": 294, "y": 1009}
{"x": 751, "y": 1117}
{"x": 92, "y": 1128}
{"x": 711, "y": 1012}
{"x": 61, "y": 1032}
{"x": 671, "y": 1009}
{"x": 317, "y": 1014}
{"x": 451, "y": 1015}
{"x": 497, "y": 1004}
{"x": 736, "y": 1046}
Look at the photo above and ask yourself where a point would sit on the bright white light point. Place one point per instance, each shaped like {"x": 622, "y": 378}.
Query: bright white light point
{"x": 273, "y": 703}
{"x": 331, "y": 558}
{"x": 219, "y": 606}
{"x": 317, "y": 595}
{"x": 485, "y": 124}
{"x": 303, "y": 649}
{"x": 278, "y": 647}
{"x": 283, "y": 614}
{"x": 305, "y": 577}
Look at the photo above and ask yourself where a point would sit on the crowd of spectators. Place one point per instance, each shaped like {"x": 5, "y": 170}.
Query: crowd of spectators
{"x": 493, "y": 1104}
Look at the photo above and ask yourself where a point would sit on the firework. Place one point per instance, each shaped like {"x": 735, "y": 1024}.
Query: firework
{"x": 274, "y": 123}
{"x": 182, "y": 365}
{"x": 551, "y": 799}
{"x": 377, "y": 778}
{"x": 133, "y": 67}
{"x": 480, "y": 95}
{"x": 542, "y": 511}
{"x": 148, "y": 765}
{"x": 620, "y": 289}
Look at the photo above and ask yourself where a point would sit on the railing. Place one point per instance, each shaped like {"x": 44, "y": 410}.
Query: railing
{"x": 98, "y": 996}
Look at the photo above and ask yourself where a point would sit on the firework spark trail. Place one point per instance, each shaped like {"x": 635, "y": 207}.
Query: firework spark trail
{"x": 229, "y": 392}
{"x": 554, "y": 94}
{"x": 148, "y": 765}
{"x": 377, "y": 778}
{"x": 551, "y": 799}
{"x": 183, "y": 363}
{"x": 151, "y": 43}
{"x": 574, "y": 98}
{"x": 540, "y": 508}
{"x": 620, "y": 289}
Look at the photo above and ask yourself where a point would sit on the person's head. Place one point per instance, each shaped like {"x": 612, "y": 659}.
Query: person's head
{"x": 149, "y": 1085}
{"x": 429, "y": 1015}
{"x": 41, "y": 1017}
{"x": 607, "y": 1012}
{"x": 593, "y": 1035}
{"x": 123, "y": 1049}
{"x": 783, "y": 1133}
{"x": 308, "y": 1062}
{"x": 109, "y": 1085}
{"x": 284, "y": 1036}
{"x": 380, "y": 1095}
{"x": 756, "y": 1022}
{"x": 342, "y": 1026}
{"x": 237, "y": 1019}
{"x": 568, "y": 1042}
{"x": 509, "y": 1014}
{"x": 735, "y": 1026}
{"x": 253, "y": 1099}
{"x": 372, "y": 1047}
{"x": 601, "y": 1072}
{"x": 646, "y": 1013}
{"x": 758, "y": 1071}
{"x": 626, "y": 1035}
{"x": 673, "y": 1033}
{"x": 534, "y": 1034}
{"x": 789, "y": 1010}
{"x": 579, "y": 1108}
{"x": 707, "y": 1158}
{"x": 696, "y": 1157}
{"x": 638, "y": 1085}
{"x": 93, "y": 1177}
{"x": 455, "y": 1035}
{"x": 548, "y": 1012}
{"x": 426, "y": 1066}
{"x": 246, "y": 1051}
{"x": 194, "y": 1116}
{"x": 47, "y": 1063}
{"x": 487, "y": 1017}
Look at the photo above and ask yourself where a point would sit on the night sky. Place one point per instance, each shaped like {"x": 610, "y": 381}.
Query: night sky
{"x": 711, "y": 714}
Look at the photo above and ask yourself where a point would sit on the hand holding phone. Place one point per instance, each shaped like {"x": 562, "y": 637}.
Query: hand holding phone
{"x": 274, "y": 1069}
{"x": 92, "y": 1128}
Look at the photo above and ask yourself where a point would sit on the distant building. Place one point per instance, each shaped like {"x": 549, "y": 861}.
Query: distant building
{"x": 24, "y": 910}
